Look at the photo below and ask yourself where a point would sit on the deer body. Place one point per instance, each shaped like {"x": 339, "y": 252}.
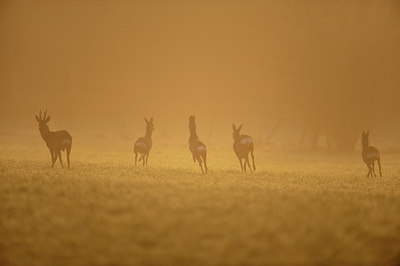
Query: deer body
{"x": 196, "y": 147}
{"x": 56, "y": 141}
{"x": 242, "y": 146}
{"x": 370, "y": 155}
{"x": 143, "y": 145}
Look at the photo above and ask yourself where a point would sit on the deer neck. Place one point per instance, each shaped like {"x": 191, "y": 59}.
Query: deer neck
{"x": 193, "y": 134}
{"x": 236, "y": 138}
{"x": 148, "y": 134}
{"x": 45, "y": 135}
{"x": 365, "y": 147}
{"x": 365, "y": 144}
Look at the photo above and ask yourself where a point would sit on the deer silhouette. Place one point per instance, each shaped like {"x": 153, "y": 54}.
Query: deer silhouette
{"x": 370, "y": 155}
{"x": 242, "y": 145}
{"x": 56, "y": 141}
{"x": 143, "y": 145}
{"x": 196, "y": 147}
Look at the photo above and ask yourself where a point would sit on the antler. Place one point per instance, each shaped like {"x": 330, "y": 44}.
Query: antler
{"x": 45, "y": 114}
{"x": 40, "y": 115}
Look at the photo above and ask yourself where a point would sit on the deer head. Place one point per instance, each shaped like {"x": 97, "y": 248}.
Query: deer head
{"x": 149, "y": 126}
{"x": 192, "y": 123}
{"x": 43, "y": 127}
{"x": 236, "y": 132}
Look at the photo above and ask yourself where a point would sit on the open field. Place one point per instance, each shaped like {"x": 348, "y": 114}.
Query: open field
{"x": 297, "y": 209}
{"x": 311, "y": 84}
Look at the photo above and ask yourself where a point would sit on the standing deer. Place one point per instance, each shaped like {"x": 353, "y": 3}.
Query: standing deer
{"x": 143, "y": 145}
{"x": 196, "y": 147}
{"x": 242, "y": 145}
{"x": 56, "y": 141}
{"x": 370, "y": 155}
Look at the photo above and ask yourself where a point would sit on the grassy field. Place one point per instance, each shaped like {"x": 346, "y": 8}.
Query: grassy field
{"x": 297, "y": 209}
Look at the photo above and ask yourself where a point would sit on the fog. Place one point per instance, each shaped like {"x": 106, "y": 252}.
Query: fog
{"x": 293, "y": 72}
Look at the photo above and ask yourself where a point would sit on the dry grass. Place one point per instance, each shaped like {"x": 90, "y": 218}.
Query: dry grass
{"x": 295, "y": 210}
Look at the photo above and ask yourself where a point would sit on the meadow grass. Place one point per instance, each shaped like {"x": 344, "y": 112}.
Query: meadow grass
{"x": 296, "y": 209}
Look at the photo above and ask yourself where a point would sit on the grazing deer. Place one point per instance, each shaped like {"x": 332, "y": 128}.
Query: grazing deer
{"x": 56, "y": 141}
{"x": 370, "y": 155}
{"x": 242, "y": 145}
{"x": 196, "y": 147}
{"x": 143, "y": 145}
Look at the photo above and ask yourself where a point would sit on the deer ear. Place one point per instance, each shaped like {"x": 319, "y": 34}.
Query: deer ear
{"x": 145, "y": 119}
{"x": 233, "y": 127}
{"x": 151, "y": 119}
{"x": 240, "y": 127}
{"x": 37, "y": 118}
{"x": 47, "y": 119}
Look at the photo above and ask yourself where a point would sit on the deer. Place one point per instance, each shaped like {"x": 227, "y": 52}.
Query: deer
{"x": 242, "y": 145}
{"x": 143, "y": 145}
{"x": 196, "y": 147}
{"x": 370, "y": 154}
{"x": 56, "y": 141}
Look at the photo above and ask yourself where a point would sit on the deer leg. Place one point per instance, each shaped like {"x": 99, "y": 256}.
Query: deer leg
{"x": 379, "y": 164}
{"x": 373, "y": 168}
{"x": 194, "y": 159}
{"x": 68, "y": 152}
{"x": 201, "y": 167}
{"x": 59, "y": 158}
{"x": 144, "y": 159}
{"x": 147, "y": 157}
{"x": 369, "y": 170}
{"x": 141, "y": 157}
{"x": 205, "y": 163}
{"x": 252, "y": 158}
{"x": 135, "y": 158}
{"x": 198, "y": 158}
{"x": 51, "y": 154}
{"x": 241, "y": 165}
{"x": 248, "y": 163}
{"x": 53, "y": 158}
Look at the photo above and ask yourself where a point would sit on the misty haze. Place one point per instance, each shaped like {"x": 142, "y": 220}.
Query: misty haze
{"x": 199, "y": 132}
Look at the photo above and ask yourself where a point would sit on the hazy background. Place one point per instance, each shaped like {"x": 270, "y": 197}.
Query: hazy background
{"x": 316, "y": 72}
